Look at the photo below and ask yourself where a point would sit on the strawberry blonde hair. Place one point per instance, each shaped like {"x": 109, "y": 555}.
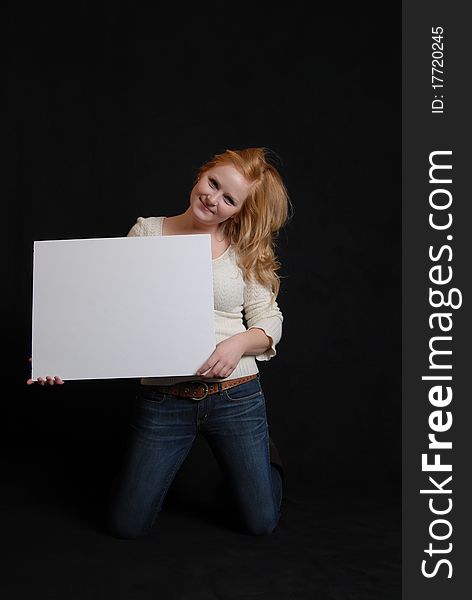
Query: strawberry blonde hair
{"x": 252, "y": 231}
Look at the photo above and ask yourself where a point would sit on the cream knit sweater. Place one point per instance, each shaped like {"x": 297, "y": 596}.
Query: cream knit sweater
{"x": 239, "y": 305}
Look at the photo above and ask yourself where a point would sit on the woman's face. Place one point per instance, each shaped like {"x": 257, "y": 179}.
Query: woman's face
{"x": 219, "y": 194}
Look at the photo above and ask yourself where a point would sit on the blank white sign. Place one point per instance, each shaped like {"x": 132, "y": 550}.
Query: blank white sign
{"x": 122, "y": 307}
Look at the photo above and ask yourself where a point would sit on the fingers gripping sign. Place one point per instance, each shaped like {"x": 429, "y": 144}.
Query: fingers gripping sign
{"x": 48, "y": 380}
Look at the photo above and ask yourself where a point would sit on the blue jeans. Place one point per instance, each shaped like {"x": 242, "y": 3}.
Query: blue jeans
{"x": 163, "y": 429}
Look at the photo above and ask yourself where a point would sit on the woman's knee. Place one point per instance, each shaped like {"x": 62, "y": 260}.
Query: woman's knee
{"x": 262, "y": 526}
{"x": 125, "y": 529}
{"x": 260, "y": 529}
{"x": 125, "y": 533}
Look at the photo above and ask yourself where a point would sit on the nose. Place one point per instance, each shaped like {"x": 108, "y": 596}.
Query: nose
{"x": 212, "y": 199}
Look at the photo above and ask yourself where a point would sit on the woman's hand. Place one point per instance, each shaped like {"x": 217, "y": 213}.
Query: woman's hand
{"x": 225, "y": 358}
{"x": 48, "y": 380}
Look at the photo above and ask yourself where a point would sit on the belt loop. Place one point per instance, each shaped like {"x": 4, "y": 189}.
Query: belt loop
{"x": 220, "y": 388}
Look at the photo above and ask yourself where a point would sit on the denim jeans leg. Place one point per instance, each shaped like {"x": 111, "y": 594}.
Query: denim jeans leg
{"x": 238, "y": 435}
{"x": 162, "y": 433}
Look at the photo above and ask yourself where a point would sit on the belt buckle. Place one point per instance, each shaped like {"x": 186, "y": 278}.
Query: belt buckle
{"x": 206, "y": 389}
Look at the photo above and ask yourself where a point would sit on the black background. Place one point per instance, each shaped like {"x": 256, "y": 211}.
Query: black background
{"x": 108, "y": 110}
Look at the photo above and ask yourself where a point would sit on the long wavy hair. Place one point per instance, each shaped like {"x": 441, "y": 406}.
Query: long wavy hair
{"x": 253, "y": 230}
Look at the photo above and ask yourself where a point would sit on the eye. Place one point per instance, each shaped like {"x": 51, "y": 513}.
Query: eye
{"x": 214, "y": 184}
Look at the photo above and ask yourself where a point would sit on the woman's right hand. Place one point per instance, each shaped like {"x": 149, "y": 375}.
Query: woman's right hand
{"x": 48, "y": 380}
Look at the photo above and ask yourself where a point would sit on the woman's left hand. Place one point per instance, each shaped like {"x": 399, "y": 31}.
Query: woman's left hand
{"x": 225, "y": 358}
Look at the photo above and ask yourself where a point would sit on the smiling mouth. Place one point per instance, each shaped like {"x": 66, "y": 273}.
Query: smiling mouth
{"x": 206, "y": 207}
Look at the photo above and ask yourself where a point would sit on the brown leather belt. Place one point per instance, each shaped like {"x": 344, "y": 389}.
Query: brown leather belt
{"x": 197, "y": 390}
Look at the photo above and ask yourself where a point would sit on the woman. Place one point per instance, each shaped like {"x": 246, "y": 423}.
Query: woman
{"x": 240, "y": 200}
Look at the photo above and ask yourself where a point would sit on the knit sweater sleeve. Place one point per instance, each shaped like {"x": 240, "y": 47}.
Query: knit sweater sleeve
{"x": 260, "y": 312}
{"x": 138, "y": 229}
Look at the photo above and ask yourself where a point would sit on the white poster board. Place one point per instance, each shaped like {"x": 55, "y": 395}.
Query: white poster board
{"x": 122, "y": 307}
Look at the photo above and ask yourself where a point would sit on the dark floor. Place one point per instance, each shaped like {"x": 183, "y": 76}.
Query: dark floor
{"x": 337, "y": 544}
